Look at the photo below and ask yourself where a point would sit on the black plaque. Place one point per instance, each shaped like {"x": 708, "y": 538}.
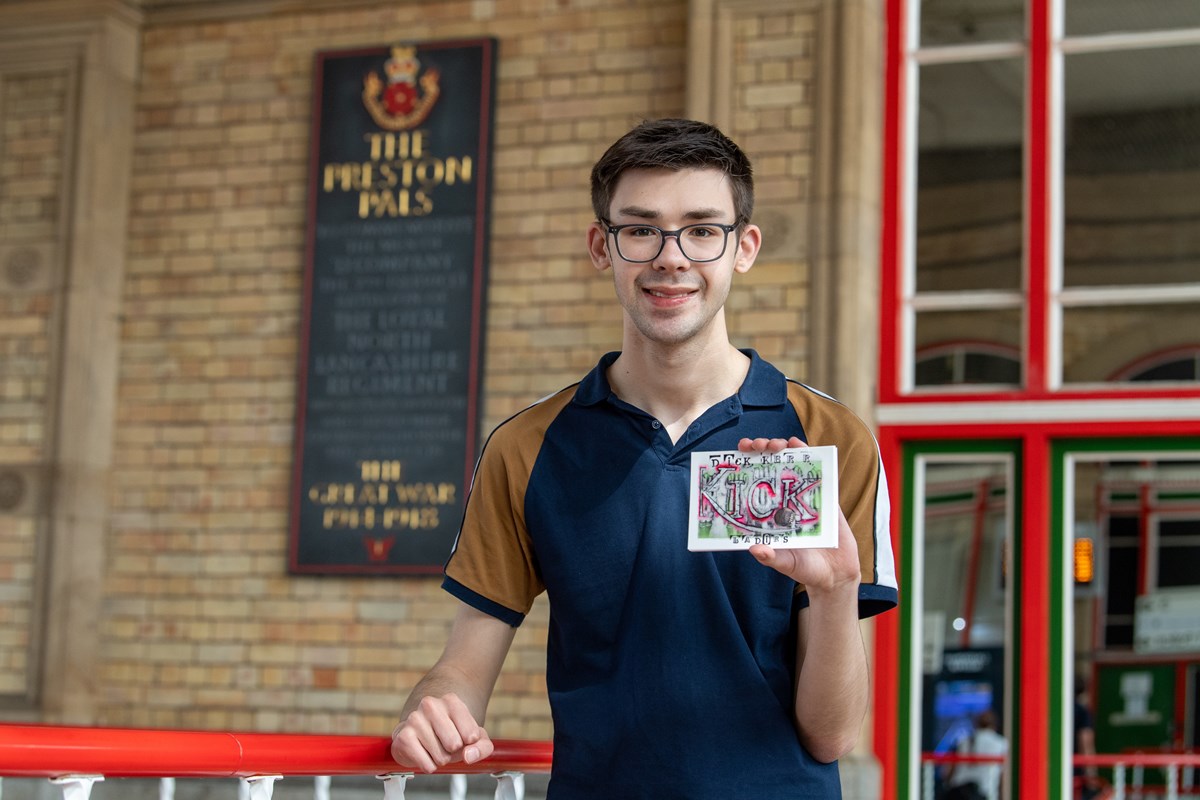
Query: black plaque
{"x": 392, "y": 328}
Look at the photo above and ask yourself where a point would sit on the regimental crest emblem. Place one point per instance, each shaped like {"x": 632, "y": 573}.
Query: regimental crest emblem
{"x": 405, "y": 97}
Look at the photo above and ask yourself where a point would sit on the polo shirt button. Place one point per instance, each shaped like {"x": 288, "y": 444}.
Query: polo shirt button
{"x": 656, "y": 424}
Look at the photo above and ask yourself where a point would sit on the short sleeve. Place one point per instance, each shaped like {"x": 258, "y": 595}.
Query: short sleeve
{"x": 862, "y": 487}
{"x": 492, "y": 566}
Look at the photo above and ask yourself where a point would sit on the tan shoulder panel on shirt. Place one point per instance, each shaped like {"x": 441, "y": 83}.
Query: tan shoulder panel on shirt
{"x": 492, "y": 555}
{"x": 828, "y": 422}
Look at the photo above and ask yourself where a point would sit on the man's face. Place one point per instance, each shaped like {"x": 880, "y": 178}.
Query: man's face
{"x": 671, "y": 299}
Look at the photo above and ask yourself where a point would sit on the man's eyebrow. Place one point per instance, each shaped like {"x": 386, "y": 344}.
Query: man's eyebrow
{"x": 639, "y": 212}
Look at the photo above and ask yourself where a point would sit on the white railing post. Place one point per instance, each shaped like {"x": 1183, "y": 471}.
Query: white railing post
{"x": 927, "y": 780}
{"x": 510, "y": 785}
{"x": 1119, "y": 782}
{"x": 1172, "y": 782}
{"x": 393, "y": 784}
{"x": 458, "y": 786}
{"x": 321, "y": 785}
{"x": 76, "y": 787}
{"x": 259, "y": 787}
{"x": 166, "y": 789}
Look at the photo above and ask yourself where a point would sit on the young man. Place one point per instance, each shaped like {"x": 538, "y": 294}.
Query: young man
{"x": 670, "y": 673}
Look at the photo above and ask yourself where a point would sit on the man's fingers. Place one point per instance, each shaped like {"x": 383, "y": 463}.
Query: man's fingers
{"x": 440, "y": 730}
{"x": 477, "y": 745}
{"x": 408, "y": 748}
{"x": 464, "y": 729}
{"x": 765, "y": 445}
{"x": 480, "y": 750}
{"x": 752, "y": 445}
{"x": 443, "y": 726}
{"x": 781, "y": 560}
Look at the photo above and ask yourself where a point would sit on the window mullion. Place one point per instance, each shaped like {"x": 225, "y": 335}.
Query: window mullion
{"x": 1042, "y": 326}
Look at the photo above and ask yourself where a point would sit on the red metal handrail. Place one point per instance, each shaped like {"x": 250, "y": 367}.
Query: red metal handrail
{"x": 1182, "y": 758}
{"x": 49, "y": 751}
{"x": 961, "y": 758}
{"x": 1176, "y": 758}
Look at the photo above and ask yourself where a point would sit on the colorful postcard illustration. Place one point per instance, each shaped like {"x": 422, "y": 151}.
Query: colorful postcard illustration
{"x": 784, "y": 499}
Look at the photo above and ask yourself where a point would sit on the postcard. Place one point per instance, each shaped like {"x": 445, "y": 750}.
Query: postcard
{"x": 784, "y": 499}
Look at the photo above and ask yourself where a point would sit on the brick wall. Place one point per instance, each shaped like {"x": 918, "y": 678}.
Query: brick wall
{"x": 201, "y": 624}
{"x": 203, "y": 627}
{"x": 772, "y": 117}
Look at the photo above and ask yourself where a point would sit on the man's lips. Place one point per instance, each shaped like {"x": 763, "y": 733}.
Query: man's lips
{"x": 669, "y": 292}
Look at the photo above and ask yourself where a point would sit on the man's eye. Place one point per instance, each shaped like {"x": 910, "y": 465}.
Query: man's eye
{"x": 702, "y": 232}
{"x": 642, "y": 231}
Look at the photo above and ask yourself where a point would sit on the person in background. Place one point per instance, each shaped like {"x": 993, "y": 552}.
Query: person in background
{"x": 1087, "y": 778}
{"x": 980, "y": 780}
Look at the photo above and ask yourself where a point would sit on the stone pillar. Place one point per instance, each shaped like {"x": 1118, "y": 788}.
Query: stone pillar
{"x": 94, "y": 47}
{"x": 846, "y": 205}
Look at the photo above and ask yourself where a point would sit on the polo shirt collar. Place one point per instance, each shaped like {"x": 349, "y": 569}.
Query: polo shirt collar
{"x": 764, "y": 384}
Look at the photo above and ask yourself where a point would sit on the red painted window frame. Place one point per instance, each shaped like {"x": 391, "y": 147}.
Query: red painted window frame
{"x": 1040, "y": 68}
{"x": 1031, "y": 781}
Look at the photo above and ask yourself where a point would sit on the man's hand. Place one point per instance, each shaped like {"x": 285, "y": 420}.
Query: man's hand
{"x": 831, "y": 689}
{"x": 440, "y": 720}
{"x": 438, "y": 731}
{"x": 821, "y": 570}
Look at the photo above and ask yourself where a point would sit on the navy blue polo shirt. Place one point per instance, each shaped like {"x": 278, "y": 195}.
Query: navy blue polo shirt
{"x": 670, "y": 673}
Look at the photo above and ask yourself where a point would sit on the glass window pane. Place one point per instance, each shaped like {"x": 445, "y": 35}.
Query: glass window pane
{"x": 971, "y": 21}
{"x": 1108, "y": 343}
{"x": 1182, "y": 365}
{"x": 1140, "y": 511}
{"x": 969, "y": 169}
{"x": 1132, "y": 158}
{"x": 1086, "y": 17}
{"x": 965, "y": 530}
{"x": 1177, "y": 538}
{"x": 974, "y": 346}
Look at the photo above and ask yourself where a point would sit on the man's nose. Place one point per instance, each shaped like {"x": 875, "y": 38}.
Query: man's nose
{"x": 671, "y": 256}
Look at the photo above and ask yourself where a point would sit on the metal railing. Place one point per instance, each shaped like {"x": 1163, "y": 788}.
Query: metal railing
{"x": 75, "y": 758}
{"x": 1128, "y": 772}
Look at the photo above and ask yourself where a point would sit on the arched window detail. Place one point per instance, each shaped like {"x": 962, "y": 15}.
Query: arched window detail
{"x": 968, "y": 363}
{"x": 1179, "y": 364}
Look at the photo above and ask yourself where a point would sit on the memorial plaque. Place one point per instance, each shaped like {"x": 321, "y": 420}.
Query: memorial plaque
{"x": 393, "y": 315}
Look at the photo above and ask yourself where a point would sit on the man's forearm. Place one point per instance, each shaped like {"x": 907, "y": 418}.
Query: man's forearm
{"x": 833, "y": 685}
{"x": 441, "y": 719}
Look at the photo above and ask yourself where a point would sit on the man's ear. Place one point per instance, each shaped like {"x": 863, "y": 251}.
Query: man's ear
{"x": 597, "y": 245}
{"x": 747, "y": 248}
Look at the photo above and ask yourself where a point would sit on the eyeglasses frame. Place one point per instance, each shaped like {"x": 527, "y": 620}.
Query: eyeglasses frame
{"x": 609, "y": 228}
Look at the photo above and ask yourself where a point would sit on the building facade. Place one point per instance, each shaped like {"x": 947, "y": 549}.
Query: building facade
{"x": 152, "y": 228}
{"x": 980, "y": 228}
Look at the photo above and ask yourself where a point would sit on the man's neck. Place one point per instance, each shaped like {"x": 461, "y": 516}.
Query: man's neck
{"x": 676, "y": 384}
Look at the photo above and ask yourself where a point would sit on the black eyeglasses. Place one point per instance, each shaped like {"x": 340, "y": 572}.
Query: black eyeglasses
{"x": 639, "y": 243}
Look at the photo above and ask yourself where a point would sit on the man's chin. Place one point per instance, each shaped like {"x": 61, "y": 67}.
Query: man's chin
{"x": 668, "y": 334}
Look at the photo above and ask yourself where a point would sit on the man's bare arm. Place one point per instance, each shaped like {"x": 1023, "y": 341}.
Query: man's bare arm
{"x": 832, "y": 678}
{"x": 832, "y": 681}
{"x": 442, "y": 720}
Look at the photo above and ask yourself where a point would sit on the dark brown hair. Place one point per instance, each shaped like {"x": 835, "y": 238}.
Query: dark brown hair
{"x": 674, "y": 144}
